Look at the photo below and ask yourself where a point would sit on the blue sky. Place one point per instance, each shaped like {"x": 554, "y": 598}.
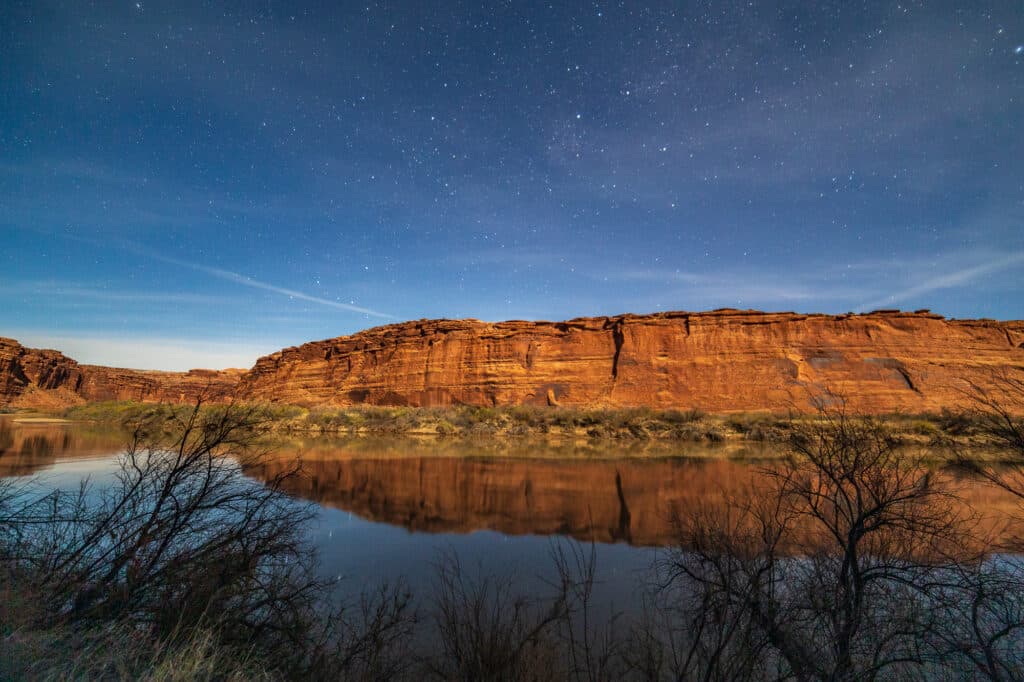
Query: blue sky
{"x": 195, "y": 184}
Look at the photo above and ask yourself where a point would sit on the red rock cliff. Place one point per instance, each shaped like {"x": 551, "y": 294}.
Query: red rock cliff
{"x": 726, "y": 360}
{"x": 719, "y": 361}
{"x": 48, "y": 378}
{"x": 22, "y": 367}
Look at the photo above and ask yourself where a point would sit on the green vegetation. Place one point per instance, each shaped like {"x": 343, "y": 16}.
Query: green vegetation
{"x": 621, "y": 424}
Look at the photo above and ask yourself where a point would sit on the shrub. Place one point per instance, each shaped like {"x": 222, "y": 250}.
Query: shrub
{"x": 923, "y": 427}
{"x": 714, "y": 435}
{"x": 681, "y": 417}
{"x": 181, "y": 543}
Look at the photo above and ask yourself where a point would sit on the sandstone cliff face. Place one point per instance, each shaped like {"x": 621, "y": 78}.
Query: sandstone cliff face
{"x": 22, "y": 369}
{"x": 47, "y": 378}
{"x": 719, "y": 361}
{"x": 727, "y": 360}
{"x": 109, "y": 383}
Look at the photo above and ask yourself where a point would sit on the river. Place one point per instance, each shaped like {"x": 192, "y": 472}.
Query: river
{"x": 389, "y": 509}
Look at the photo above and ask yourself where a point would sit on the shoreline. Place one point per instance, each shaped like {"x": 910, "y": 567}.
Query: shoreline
{"x": 558, "y": 425}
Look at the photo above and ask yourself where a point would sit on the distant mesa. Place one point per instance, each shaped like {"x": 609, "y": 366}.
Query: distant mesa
{"x": 49, "y": 379}
{"x": 721, "y": 361}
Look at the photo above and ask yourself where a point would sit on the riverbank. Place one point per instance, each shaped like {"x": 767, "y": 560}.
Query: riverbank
{"x": 550, "y": 423}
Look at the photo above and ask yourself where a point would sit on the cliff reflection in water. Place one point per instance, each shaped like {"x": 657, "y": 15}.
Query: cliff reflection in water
{"x": 28, "y": 448}
{"x": 604, "y": 500}
{"x": 599, "y": 492}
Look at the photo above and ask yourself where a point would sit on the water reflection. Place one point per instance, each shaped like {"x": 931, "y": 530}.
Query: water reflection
{"x": 604, "y": 501}
{"x": 586, "y": 491}
{"x": 26, "y": 448}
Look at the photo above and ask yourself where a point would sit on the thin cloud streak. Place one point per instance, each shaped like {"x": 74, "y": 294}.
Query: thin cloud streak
{"x": 957, "y": 278}
{"x": 264, "y": 286}
{"x": 738, "y": 286}
{"x": 54, "y": 289}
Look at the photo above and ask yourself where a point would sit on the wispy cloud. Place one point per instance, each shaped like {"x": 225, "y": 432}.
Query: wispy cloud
{"x": 78, "y": 294}
{"x": 948, "y": 280}
{"x": 244, "y": 280}
{"x": 761, "y": 286}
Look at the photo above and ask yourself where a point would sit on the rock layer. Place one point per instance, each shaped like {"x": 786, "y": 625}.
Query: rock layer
{"x": 726, "y": 360}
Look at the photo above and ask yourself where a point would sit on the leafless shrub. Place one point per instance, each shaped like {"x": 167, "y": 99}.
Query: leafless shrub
{"x": 848, "y": 560}
{"x": 834, "y": 570}
{"x": 979, "y": 619}
{"x": 590, "y": 642}
{"x": 983, "y": 623}
{"x": 370, "y": 638}
{"x": 485, "y": 630}
{"x": 696, "y": 621}
{"x": 997, "y": 414}
{"x": 182, "y": 541}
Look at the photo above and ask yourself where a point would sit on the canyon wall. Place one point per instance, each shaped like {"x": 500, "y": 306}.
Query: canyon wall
{"x": 726, "y": 360}
{"x": 47, "y": 378}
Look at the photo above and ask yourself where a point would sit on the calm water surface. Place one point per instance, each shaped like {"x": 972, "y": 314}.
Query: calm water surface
{"x": 388, "y": 509}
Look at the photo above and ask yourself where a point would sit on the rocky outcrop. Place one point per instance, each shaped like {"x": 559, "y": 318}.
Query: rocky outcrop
{"x": 726, "y": 360}
{"x": 48, "y": 378}
{"x": 22, "y": 368}
{"x": 108, "y": 383}
{"x": 721, "y": 361}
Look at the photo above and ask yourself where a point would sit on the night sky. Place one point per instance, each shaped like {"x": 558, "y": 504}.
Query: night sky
{"x": 195, "y": 184}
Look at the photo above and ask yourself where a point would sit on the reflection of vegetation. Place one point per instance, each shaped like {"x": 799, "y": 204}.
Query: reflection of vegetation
{"x": 6, "y": 437}
{"x": 37, "y": 445}
{"x": 998, "y": 416}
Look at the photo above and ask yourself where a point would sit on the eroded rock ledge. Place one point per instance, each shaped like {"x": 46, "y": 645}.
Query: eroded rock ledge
{"x": 725, "y": 360}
